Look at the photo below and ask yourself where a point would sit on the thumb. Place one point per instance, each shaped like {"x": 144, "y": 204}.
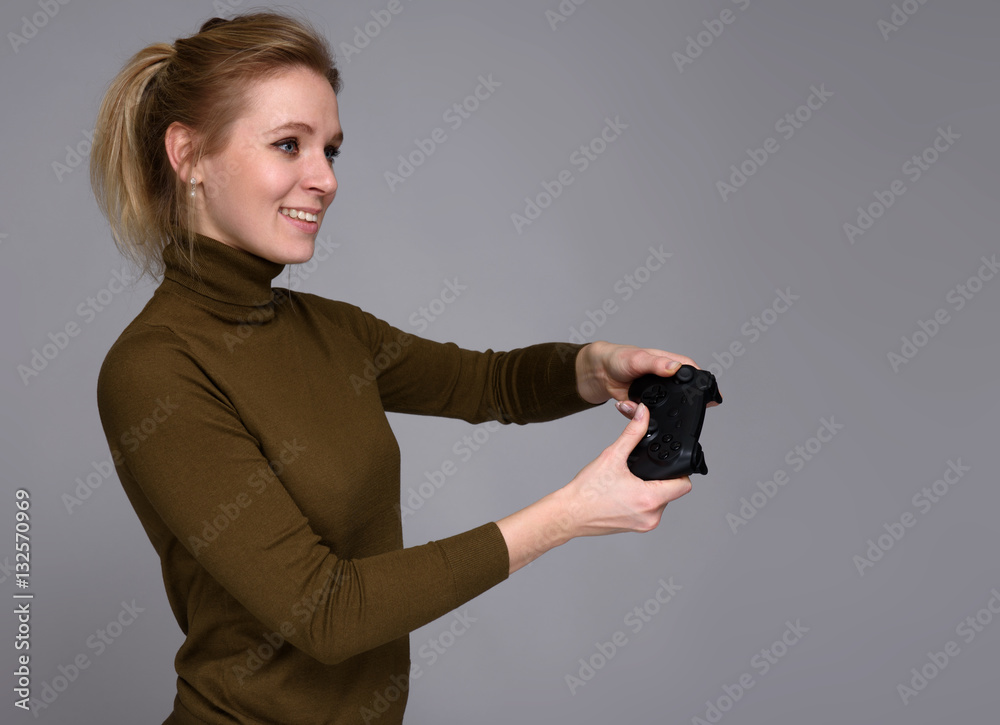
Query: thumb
{"x": 634, "y": 431}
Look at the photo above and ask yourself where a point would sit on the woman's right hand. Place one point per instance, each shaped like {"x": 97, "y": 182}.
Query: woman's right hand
{"x": 603, "y": 498}
{"x": 606, "y": 498}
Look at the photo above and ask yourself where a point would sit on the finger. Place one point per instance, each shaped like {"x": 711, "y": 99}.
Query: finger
{"x": 661, "y": 362}
{"x": 674, "y": 488}
{"x": 633, "y": 432}
{"x": 625, "y": 407}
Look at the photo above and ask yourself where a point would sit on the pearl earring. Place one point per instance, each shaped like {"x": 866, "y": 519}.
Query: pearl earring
{"x": 194, "y": 183}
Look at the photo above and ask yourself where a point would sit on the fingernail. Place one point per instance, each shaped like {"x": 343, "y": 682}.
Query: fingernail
{"x": 640, "y": 412}
{"x": 673, "y": 365}
{"x": 625, "y": 406}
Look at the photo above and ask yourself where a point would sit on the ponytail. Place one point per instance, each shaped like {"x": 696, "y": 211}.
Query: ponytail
{"x": 122, "y": 159}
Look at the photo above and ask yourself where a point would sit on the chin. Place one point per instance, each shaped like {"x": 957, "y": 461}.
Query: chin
{"x": 294, "y": 253}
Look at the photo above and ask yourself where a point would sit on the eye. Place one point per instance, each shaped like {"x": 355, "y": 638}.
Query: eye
{"x": 332, "y": 152}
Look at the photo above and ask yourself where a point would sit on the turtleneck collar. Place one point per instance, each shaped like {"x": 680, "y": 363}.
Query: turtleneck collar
{"x": 231, "y": 281}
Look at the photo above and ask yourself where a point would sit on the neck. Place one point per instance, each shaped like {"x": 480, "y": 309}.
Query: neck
{"x": 231, "y": 281}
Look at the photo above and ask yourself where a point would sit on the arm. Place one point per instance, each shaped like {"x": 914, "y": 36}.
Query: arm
{"x": 605, "y": 370}
{"x": 603, "y": 498}
{"x": 540, "y": 382}
{"x": 201, "y": 461}
{"x": 421, "y": 376}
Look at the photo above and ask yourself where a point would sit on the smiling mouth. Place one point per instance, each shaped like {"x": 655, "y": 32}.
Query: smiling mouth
{"x": 299, "y": 214}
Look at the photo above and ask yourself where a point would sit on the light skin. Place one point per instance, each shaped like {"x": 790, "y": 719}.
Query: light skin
{"x": 279, "y": 154}
{"x": 604, "y": 497}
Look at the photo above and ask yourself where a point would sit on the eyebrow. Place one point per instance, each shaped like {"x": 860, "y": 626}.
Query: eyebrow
{"x": 337, "y": 138}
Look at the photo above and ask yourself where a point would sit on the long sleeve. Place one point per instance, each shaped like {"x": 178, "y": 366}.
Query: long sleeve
{"x": 199, "y": 463}
{"x": 416, "y": 375}
{"x": 248, "y": 428}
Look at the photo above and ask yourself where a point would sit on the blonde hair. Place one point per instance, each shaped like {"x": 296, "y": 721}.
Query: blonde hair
{"x": 201, "y": 82}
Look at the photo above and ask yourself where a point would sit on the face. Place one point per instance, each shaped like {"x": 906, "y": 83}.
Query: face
{"x": 276, "y": 168}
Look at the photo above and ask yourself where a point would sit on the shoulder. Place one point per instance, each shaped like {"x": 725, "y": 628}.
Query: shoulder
{"x": 138, "y": 362}
{"x": 349, "y": 317}
{"x": 142, "y": 343}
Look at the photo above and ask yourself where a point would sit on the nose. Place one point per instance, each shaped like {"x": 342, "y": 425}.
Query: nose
{"x": 321, "y": 178}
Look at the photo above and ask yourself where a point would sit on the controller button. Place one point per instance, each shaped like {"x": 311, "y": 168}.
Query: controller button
{"x": 675, "y": 446}
{"x": 654, "y": 447}
{"x": 667, "y": 437}
{"x": 664, "y": 455}
{"x": 654, "y": 395}
{"x": 684, "y": 374}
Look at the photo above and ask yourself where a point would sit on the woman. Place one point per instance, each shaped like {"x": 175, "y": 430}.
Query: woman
{"x": 248, "y": 424}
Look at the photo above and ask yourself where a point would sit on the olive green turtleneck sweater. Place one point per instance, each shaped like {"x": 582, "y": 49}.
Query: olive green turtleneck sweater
{"x": 249, "y": 432}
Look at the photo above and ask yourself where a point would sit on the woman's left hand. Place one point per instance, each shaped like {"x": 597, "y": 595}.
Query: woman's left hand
{"x": 605, "y": 370}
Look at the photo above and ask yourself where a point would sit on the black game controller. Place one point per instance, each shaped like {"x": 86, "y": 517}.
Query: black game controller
{"x": 670, "y": 448}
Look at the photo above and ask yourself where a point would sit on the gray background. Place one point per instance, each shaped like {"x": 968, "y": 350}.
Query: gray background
{"x": 827, "y": 355}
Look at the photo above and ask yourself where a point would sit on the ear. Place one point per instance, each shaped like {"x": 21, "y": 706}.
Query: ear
{"x": 179, "y": 141}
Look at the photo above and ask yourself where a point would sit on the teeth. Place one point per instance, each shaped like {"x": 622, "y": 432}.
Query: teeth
{"x": 296, "y": 214}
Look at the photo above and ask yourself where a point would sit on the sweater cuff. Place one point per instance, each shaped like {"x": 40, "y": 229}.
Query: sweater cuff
{"x": 478, "y": 559}
{"x": 563, "y": 394}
